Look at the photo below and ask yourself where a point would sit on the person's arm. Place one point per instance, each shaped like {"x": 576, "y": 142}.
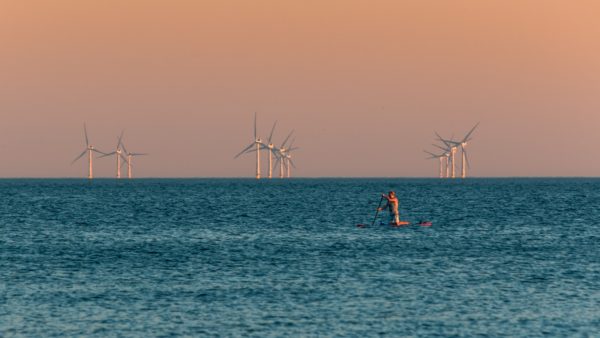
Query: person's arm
{"x": 385, "y": 207}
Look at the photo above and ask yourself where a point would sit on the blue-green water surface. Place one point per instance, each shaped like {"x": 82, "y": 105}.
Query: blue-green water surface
{"x": 219, "y": 257}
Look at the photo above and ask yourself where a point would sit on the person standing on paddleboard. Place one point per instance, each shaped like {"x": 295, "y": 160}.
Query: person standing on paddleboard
{"x": 392, "y": 206}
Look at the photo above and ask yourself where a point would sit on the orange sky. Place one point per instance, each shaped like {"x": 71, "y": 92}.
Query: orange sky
{"x": 364, "y": 83}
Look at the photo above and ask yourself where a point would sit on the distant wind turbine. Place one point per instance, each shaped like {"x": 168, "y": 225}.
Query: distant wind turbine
{"x": 281, "y": 154}
{"x": 447, "y": 153}
{"x": 288, "y": 155}
{"x": 129, "y": 159}
{"x": 452, "y": 148}
{"x": 463, "y": 146}
{"x": 258, "y": 143}
{"x": 118, "y": 153}
{"x": 89, "y": 149}
{"x": 440, "y": 158}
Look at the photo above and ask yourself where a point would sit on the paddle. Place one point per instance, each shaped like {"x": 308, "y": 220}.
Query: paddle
{"x": 376, "y": 214}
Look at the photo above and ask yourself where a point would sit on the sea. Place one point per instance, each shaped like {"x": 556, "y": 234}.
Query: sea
{"x": 278, "y": 258}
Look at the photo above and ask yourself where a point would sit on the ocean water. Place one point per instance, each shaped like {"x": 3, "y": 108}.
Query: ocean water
{"x": 219, "y": 257}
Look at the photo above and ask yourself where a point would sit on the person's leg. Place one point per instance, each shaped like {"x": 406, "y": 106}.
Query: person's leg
{"x": 397, "y": 219}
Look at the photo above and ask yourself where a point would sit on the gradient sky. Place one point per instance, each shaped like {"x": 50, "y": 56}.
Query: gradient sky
{"x": 364, "y": 83}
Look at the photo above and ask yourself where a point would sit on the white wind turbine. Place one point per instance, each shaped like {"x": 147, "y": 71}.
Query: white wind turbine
{"x": 452, "y": 148}
{"x": 447, "y": 153}
{"x": 288, "y": 157}
{"x": 89, "y": 149}
{"x": 463, "y": 146}
{"x": 258, "y": 143}
{"x": 129, "y": 159}
{"x": 280, "y": 153}
{"x": 118, "y": 153}
{"x": 440, "y": 158}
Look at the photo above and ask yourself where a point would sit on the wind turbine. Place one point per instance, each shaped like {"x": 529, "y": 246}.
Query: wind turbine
{"x": 441, "y": 159}
{"x": 89, "y": 149}
{"x": 119, "y": 154}
{"x": 288, "y": 156}
{"x": 452, "y": 148}
{"x": 258, "y": 143}
{"x": 463, "y": 147}
{"x": 280, "y": 153}
{"x": 447, "y": 153}
{"x": 129, "y": 159}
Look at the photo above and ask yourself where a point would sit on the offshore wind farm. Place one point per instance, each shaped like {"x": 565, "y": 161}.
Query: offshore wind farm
{"x": 122, "y": 156}
{"x": 447, "y": 159}
{"x": 282, "y": 154}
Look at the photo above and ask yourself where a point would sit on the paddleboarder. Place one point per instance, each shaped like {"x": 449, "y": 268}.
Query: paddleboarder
{"x": 392, "y": 206}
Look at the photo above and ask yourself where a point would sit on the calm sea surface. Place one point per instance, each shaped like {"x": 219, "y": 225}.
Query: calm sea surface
{"x": 504, "y": 257}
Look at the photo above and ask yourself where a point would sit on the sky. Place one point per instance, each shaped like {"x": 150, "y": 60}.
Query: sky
{"x": 364, "y": 84}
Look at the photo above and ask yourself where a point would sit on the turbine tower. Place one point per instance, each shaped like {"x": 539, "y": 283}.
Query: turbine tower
{"x": 129, "y": 159}
{"x": 271, "y": 148}
{"x": 89, "y": 149}
{"x": 119, "y": 155}
{"x": 258, "y": 143}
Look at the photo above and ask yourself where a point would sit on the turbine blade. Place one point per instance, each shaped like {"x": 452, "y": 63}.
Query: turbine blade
{"x": 292, "y": 149}
{"x": 87, "y": 141}
{"x": 450, "y": 142}
{"x": 80, "y": 156}
{"x": 261, "y": 145}
{"x": 245, "y": 150}
{"x": 120, "y": 138}
{"x": 437, "y": 146}
{"x": 272, "y": 130}
{"x": 432, "y": 154}
{"x": 470, "y": 132}
{"x": 139, "y": 154}
{"x": 440, "y": 138}
{"x": 286, "y": 139}
{"x": 292, "y": 144}
{"x": 438, "y": 135}
{"x": 277, "y": 153}
{"x": 105, "y": 155}
{"x": 124, "y": 149}
{"x": 467, "y": 158}
{"x": 292, "y": 163}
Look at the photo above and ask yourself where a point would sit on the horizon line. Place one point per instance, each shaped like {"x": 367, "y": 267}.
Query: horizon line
{"x": 280, "y": 179}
